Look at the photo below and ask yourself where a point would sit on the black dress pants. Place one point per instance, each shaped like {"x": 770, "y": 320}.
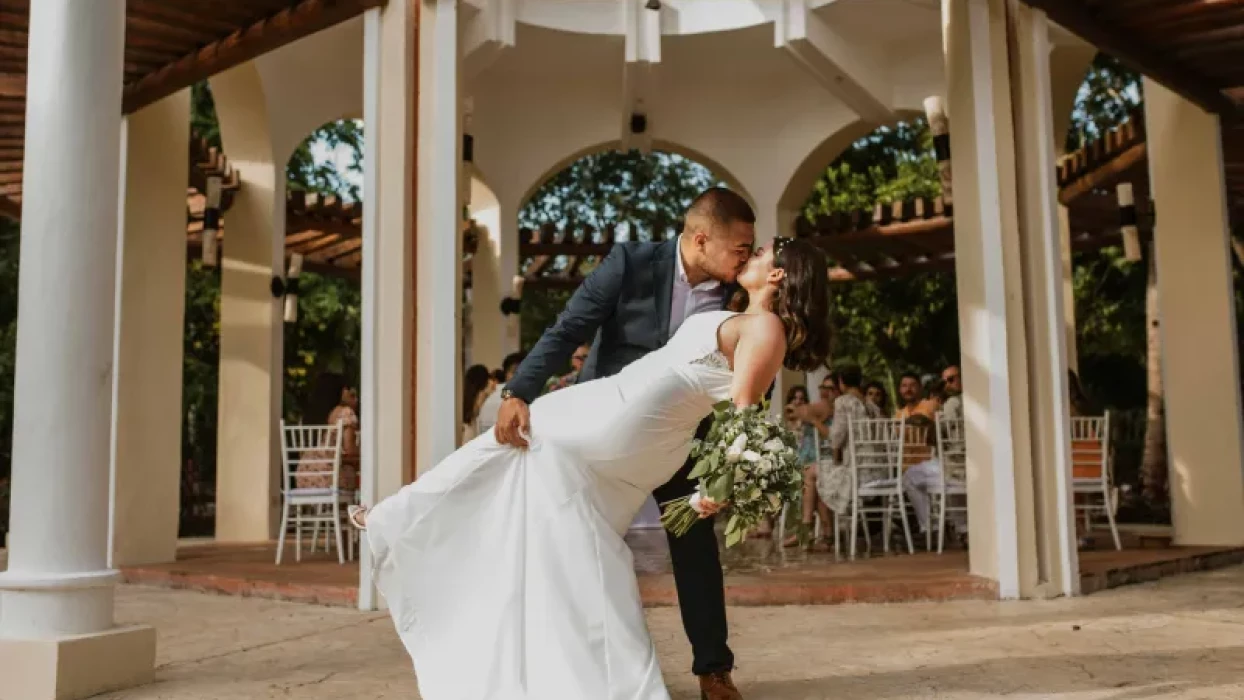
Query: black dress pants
{"x": 699, "y": 580}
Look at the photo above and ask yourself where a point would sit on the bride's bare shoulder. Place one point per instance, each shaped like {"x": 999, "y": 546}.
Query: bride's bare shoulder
{"x": 764, "y": 328}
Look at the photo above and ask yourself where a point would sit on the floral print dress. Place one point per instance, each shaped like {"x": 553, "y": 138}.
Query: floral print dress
{"x": 349, "y": 479}
{"x": 833, "y": 480}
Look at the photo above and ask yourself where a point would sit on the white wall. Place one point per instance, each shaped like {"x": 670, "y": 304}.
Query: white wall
{"x": 725, "y": 95}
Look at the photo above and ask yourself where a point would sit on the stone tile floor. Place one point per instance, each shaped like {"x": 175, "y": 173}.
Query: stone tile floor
{"x": 1178, "y": 638}
{"x": 757, "y": 573}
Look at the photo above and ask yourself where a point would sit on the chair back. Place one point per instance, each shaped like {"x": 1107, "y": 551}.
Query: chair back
{"x": 1090, "y": 447}
{"x": 875, "y": 448}
{"x": 917, "y": 447}
{"x": 310, "y": 451}
{"x": 952, "y": 449}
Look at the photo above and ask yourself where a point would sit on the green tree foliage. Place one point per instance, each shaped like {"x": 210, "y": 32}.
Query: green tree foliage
{"x": 326, "y": 338}
{"x": 305, "y": 172}
{"x": 1109, "y": 95}
{"x": 648, "y": 194}
{"x": 888, "y": 326}
{"x": 203, "y": 121}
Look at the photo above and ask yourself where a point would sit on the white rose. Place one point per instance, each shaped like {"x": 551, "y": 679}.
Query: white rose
{"x": 766, "y": 465}
{"x": 774, "y": 445}
{"x": 740, "y": 443}
{"x": 751, "y": 455}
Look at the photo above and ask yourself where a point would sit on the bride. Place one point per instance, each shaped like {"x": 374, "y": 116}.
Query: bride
{"x": 505, "y": 569}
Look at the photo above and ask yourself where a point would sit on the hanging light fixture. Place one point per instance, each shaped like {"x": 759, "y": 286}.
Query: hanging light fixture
{"x": 287, "y": 289}
{"x": 653, "y": 5}
{"x": 291, "y": 288}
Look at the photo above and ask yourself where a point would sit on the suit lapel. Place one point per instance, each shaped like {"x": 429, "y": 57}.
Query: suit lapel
{"x": 664, "y": 282}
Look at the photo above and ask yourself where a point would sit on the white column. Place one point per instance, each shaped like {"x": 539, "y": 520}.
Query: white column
{"x": 1044, "y": 277}
{"x": 488, "y": 285}
{"x": 388, "y": 242}
{"x": 57, "y": 636}
{"x": 989, "y": 273}
{"x": 147, "y": 438}
{"x": 438, "y": 237}
{"x": 251, "y": 330}
{"x": 1200, "y": 366}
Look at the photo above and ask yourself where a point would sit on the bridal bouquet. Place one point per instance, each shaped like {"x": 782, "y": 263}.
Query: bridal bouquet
{"x": 747, "y": 462}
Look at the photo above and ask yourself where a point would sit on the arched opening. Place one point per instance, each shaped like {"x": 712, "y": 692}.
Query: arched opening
{"x": 322, "y": 219}
{"x": 569, "y": 221}
{"x": 884, "y": 323}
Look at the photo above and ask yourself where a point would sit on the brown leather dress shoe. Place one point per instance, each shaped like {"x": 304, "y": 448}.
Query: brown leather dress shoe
{"x": 718, "y": 686}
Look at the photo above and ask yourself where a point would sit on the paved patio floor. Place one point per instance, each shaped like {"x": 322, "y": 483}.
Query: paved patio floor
{"x": 1178, "y": 638}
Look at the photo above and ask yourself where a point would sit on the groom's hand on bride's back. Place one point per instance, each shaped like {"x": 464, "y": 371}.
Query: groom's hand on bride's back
{"x": 513, "y": 422}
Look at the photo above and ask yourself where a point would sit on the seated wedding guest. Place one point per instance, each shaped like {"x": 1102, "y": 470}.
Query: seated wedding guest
{"x": 827, "y": 394}
{"x": 924, "y": 478}
{"x": 488, "y": 412}
{"x": 910, "y": 396}
{"x": 331, "y": 402}
{"x": 819, "y": 413}
{"x": 804, "y": 423}
{"x": 833, "y": 476}
{"x": 476, "y": 387}
{"x": 875, "y": 393}
{"x": 576, "y": 366}
{"x": 952, "y": 408}
{"x": 934, "y": 397}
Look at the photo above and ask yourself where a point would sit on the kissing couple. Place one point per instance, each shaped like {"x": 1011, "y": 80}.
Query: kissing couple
{"x": 504, "y": 566}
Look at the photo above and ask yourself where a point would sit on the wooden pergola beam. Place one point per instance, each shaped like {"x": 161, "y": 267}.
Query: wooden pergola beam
{"x": 1104, "y": 175}
{"x": 13, "y": 85}
{"x": 1074, "y": 15}
{"x": 286, "y": 26}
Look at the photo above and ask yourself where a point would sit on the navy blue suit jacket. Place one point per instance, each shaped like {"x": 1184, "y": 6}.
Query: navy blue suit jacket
{"x": 622, "y": 308}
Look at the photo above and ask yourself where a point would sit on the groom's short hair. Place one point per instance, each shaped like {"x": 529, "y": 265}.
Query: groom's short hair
{"x": 722, "y": 207}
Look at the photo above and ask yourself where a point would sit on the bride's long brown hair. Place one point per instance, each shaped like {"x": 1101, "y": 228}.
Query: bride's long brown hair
{"x": 801, "y": 302}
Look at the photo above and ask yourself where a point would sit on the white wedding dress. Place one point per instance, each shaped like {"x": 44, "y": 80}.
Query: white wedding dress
{"x": 505, "y": 569}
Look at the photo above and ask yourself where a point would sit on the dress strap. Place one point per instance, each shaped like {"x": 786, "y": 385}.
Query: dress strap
{"x": 717, "y": 331}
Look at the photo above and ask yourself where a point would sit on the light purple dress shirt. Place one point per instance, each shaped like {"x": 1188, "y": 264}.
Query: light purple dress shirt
{"x": 687, "y": 301}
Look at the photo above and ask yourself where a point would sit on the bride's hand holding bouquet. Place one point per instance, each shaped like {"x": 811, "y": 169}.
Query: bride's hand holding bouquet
{"x": 747, "y": 465}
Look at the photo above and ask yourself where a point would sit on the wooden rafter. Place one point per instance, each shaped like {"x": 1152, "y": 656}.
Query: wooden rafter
{"x": 272, "y": 32}
{"x": 1082, "y": 18}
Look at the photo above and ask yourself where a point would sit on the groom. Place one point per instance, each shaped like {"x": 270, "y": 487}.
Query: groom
{"x": 632, "y": 304}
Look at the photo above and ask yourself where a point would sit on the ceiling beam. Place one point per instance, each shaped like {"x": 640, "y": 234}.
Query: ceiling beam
{"x": 490, "y": 34}
{"x": 284, "y": 27}
{"x": 852, "y": 71}
{"x": 639, "y": 73}
{"x": 1074, "y": 15}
